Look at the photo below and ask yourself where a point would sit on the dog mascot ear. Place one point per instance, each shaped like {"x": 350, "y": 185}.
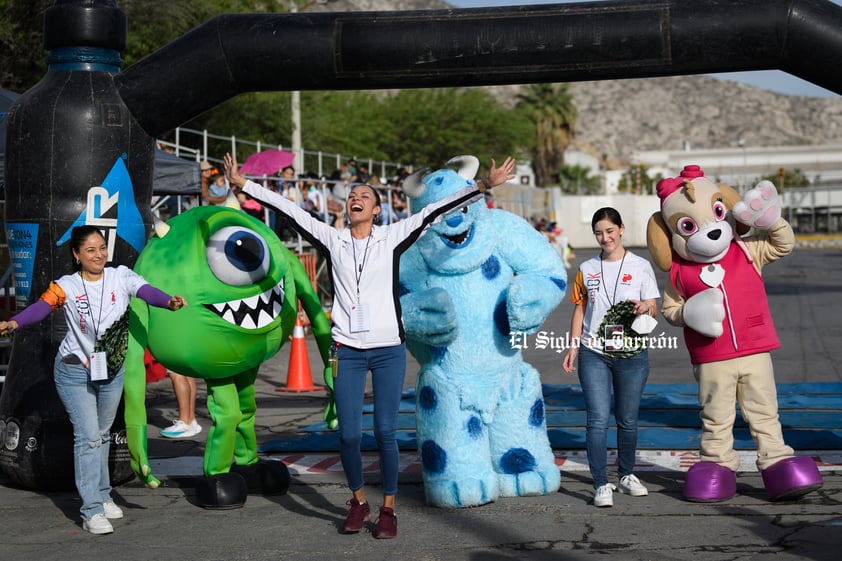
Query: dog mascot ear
{"x": 658, "y": 241}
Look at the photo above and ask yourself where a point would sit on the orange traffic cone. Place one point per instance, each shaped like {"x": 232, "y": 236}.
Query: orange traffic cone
{"x": 299, "y": 376}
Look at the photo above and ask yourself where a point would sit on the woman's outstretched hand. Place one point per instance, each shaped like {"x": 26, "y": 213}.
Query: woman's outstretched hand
{"x": 232, "y": 170}
{"x": 498, "y": 176}
{"x": 176, "y": 303}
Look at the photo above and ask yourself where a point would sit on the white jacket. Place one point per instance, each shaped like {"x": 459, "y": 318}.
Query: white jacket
{"x": 378, "y": 281}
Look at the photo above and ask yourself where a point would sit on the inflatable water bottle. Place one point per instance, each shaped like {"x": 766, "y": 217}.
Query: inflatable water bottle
{"x": 74, "y": 156}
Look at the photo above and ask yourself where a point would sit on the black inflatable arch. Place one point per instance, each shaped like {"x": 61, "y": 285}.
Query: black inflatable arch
{"x": 86, "y": 126}
{"x": 471, "y": 47}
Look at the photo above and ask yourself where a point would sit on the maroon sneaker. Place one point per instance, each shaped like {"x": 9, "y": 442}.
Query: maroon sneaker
{"x": 357, "y": 515}
{"x": 387, "y": 524}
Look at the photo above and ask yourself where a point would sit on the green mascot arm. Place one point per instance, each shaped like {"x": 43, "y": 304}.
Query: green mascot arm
{"x": 134, "y": 393}
{"x": 321, "y": 331}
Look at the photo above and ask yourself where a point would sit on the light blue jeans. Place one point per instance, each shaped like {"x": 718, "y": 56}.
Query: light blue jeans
{"x": 91, "y": 407}
{"x": 388, "y": 369}
{"x": 598, "y": 375}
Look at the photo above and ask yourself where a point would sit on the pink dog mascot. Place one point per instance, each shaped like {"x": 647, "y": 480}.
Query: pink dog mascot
{"x": 718, "y": 296}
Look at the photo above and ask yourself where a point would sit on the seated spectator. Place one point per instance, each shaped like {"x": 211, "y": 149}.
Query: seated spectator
{"x": 216, "y": 190}
{"x": 188, "y": 202}
{"x": 338, "y": 189}
{"x": 206, "y": 171}
{"x": 287, "y": 182}
{"x": 352, "y": 171}
{"x": 250, "y": 206}
{"x": 386, "y": 215}
{"x": 336, "y": 203}
{"x": 363, "y": 176}
{"x": 399, "y": 205}
{"x": 311, "y": 197}
{"x": 287, "y": 185}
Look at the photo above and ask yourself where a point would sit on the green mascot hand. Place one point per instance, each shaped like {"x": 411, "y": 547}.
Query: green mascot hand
{"x": 330, "y": 416}
{"x": 136, "y": 439}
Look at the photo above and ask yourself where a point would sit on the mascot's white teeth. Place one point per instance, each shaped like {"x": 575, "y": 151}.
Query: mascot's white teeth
{"x": 253, "y": 312}
{"x": 457, "y": 239}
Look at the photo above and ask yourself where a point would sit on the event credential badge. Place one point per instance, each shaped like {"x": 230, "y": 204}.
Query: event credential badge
{"x": 99, "y": 366}
{"x": 359, "y": 318}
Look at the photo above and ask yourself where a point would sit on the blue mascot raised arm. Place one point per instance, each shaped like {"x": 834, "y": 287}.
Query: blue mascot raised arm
{"x": 472, "y": 279}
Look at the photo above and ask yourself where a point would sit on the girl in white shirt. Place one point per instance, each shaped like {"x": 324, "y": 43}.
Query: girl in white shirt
{"x": 610, "y": 290}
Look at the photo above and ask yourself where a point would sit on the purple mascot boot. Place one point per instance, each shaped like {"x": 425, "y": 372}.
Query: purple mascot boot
{"x": 791, "y": 478}
{"x": 708, "y": 482}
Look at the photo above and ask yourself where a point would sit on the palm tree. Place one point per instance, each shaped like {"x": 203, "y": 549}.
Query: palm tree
{"x": 550, "y": 108}
{"x": 577, "y": 180}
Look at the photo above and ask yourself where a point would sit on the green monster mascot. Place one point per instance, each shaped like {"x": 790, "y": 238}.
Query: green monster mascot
{"x": 241, "y": 285}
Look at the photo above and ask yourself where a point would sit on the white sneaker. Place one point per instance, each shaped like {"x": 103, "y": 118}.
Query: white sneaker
{"x": 180, "y": 429}
{"x": 631, "y": 485}
{"x": 604, "y": 495}
{"x": 98, "y": 524}
{"x": 112, "y": 511}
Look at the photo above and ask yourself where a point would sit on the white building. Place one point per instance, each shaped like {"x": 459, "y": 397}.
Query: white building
{"x": 744, "y": 165}
{"x": 814, "y": 209}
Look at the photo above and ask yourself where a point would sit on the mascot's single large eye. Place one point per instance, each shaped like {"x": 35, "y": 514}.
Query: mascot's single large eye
{"x": 719, "y": 210}
{"x": 687, "y": 226}
{"x": 464, "y": 210}
{"x": 237, "y": 256}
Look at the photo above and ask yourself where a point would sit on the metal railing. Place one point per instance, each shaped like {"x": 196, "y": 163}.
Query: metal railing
{"x": 322, "y": 163}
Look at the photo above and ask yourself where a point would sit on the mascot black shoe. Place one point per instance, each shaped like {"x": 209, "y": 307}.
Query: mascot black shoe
{"x": 265, "y": 477}
{"x": 221, "y": 492}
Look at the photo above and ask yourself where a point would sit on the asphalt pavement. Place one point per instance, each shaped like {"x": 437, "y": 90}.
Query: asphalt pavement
{"x": 166, "y": 524}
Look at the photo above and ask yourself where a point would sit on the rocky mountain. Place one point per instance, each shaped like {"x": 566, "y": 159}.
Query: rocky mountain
{"x": 618, "y": 117}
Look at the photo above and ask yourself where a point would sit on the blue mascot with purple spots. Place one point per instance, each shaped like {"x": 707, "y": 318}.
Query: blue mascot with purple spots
{"x": 473, "y": 278}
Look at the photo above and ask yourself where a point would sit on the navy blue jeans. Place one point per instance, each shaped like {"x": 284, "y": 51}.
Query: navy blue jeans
{"x": 388, "y": 369}
{"x": 598, "y": 375}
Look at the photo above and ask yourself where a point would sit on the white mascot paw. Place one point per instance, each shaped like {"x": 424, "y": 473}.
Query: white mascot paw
{"x": 704, "y": 312}
{"x": 760, "y": 207}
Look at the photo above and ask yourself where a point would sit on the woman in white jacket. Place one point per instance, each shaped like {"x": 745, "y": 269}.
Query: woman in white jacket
{"x": 366, "y": 316}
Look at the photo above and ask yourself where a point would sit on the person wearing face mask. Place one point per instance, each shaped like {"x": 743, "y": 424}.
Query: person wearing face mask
{"x": 367, "y": 328}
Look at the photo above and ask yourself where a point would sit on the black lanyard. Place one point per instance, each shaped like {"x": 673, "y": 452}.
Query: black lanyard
{"x": 358, "y": 269}
{"x": 619, "y": 272}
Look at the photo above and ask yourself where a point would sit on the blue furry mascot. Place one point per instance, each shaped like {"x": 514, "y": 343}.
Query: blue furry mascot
{"x": 470, "y": 280}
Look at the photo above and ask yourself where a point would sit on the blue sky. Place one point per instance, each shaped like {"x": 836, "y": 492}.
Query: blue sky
{"x": 774, "y": 80}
